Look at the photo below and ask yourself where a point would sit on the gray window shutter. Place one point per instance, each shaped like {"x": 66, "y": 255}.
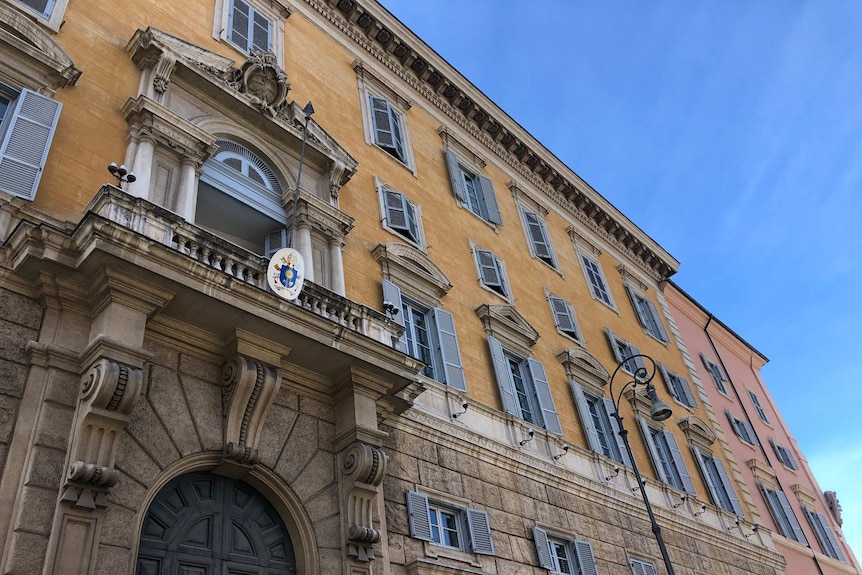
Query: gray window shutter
{"x": 685, "y": 387}
{"x": 615, "y": 428}
{"x": 543, "y": 394}
{"x": 728, "y": 487}
{"x": 791, "y": 517}
{"x": 238, "y": 24}
{"x": 455, "y": 175}
{"x": 670, "y": 384}
{"x": 490, "y": 200}
{"x": 825, "y": 531}
{"x": 563, "y": 316}
{"x": 449, "y": 350}
{"x": 504, "y": 378}
{"x": 488, "y": 268}
{"x": 261, "y": 32}
{"x": 649, "y": 569}
{"x": 732, "y": 420}
{"x": 586, "y": 560}
{"x": 638, "y": 312}
{"x": 586, "y": 419}
{"x": 480, "y": 532}
{"x": 612, "y": 341}
{"x": 32, "y": 120}
{"x": 678, "y": 462}
{"x": 538, "y": 236}
{"x": 637, "y": 362}
{"x": 396, "y": 210}
{"x": 418, "y": 517}
{"x": 750, "y": 430}
{"x": 274, "y": 241}
{"x": 656, "y": 461}
{"x": 381, "y": 113}
{"x": 543, "y": 548}
{"x": 713, "y": 489}
{"x": 661, "y": 333}
{"x": 637, "y": 567}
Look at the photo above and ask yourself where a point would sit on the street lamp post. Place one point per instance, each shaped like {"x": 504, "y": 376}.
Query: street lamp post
{"x": 659, "y": 411}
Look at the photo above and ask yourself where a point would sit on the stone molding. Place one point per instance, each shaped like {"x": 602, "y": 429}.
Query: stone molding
{"x": 413, "y": 271}
{"x": 363, "y": 468}
{"x": 148, "y": 118}
{"x": 505, "y": 323}
{"x": 583, "y": 367}
{"x": 697, "y": 432}
{"x": 313, "y": 212}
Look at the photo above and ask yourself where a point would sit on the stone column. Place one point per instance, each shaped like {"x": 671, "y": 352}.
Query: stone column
{"x": 336, "y": 265}
{"x": 143, "y": 166}
{"x": 303, "y": 246}
{"x": 187, "y": 193}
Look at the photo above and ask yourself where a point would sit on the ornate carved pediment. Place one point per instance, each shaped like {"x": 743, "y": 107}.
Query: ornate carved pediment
{"x": 413, "y": 270}
{"x": 507, "y": 325}
{"x": 697, "y": 432}
{"x": 583, "y": 366}
{"x": 30, "y": 44}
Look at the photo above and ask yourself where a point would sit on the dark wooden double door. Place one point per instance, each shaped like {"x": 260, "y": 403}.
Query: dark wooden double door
{"x": 205, "y": 524}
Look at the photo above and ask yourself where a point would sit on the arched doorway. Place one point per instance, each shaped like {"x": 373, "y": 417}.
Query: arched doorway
{"x": 205, "y": 524}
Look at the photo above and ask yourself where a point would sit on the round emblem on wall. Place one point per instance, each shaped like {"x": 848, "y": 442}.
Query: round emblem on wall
{"x": 286, "y": 273}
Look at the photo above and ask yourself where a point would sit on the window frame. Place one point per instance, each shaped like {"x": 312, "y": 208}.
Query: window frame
{"x": 560, "y": 309}
{"x": 473, "y": 525}
{"x": 666, "y": 457}
{"x": 408, "y": 207}
{"x": 761, "y": 413}
{"x": 51, "y": 18}
{"x": 599, "y": 274}
{"x": 743, "y": 429}
{"x": 483, "y": 202}
{"x": 679, "y": 387}
{"x": 274, "y": 12}
{"x": 641, "y": 567}
{"x": 578, "y": 553}
{"x": 718, "y": 483}
{"x": 784, "y": 455}
{"x": 824, "y": 534}
{"x": 619, "y": 346}
{"x": 609, "y": 428}
{"x": 717, "y": 373}
{"x": 540, "y": 227}
{"x": 783, "y": 514}
{"x": 647, "y": 314}
{"x": 505, "y": 290}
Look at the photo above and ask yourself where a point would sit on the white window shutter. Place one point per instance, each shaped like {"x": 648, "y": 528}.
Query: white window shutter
{"x": 728, "y": 487}
{"x": 381, "y": 119}
{"x": 538, "y": 236}
{"x": 543, "y": 394}
{"x": 586, "y": 560}
{"x": 563, "y": 316}
{"x": 707, "y": 478}
{"x": 656, "y": 461}
{"x": 26, "y": 140}
{"x": 455, "y": 175}
{"x": 678, "y": 462}
{"x": 543, "y": 548}
{"x": 490, "y": 200}
{"x": 488, "y": 268}
{"x": 661, "y": 333}
{"x": 480, "y": 532}
{"x": 418, "y": 516}
{"x": 274, "y": 241}
{"x": 615, "y": 428}
{"x": 449, "y": 350}
{"x": 504, "y": 376}
{"x": 586, "y": 418}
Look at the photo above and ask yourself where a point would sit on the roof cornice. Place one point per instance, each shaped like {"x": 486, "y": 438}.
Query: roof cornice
{"x": 403, "y": 53}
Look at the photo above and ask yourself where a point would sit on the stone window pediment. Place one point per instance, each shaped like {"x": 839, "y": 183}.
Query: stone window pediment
{"x": 583, "y": 367}
{"x": 412, "y": 270}
{"x": 697, "y": 432}
{"x": 503, "y": 322}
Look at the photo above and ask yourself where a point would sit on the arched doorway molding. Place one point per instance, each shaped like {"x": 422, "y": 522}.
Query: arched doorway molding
{"x": 265, "y": 481}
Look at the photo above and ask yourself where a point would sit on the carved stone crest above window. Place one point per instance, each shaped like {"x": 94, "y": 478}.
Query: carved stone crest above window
{"x": 504, "y": 323}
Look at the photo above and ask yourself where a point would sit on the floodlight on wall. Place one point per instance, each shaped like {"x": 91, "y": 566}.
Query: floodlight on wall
{"x": 530, "y": 434}
{"x": 565, "y": 451}
{"x": 614, "y": 474}
{"x": 659, "y": 411}
{"x": 682, "y": 500}
{"x": 753, "y": 531}
{"x": 122, "y": 174}
{"x": 464, "y": 406}
{"x": 701, "y": 512}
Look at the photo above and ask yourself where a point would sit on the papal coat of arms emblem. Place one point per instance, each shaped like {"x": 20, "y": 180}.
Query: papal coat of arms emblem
{"x": 286, "y": 273}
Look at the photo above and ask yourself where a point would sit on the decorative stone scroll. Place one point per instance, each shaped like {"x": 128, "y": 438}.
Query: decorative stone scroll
{"x": 249, "y": 387}
{"x": 109, "y": 391}
{"x": 363, "y": 467}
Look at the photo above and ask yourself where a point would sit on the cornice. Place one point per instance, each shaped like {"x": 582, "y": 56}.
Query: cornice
{"x": 396, "y": 48}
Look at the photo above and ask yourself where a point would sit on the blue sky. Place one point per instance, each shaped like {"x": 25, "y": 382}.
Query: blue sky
{"x": 729, "y": 131}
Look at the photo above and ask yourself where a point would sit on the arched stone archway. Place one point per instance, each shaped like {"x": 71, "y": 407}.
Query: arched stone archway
{"x": 202, "y": 524}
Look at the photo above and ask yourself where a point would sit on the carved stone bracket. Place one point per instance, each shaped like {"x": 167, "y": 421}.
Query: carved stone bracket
{"x": 109, "y": 391}
{"x": 363, "y": 467}
{"x": 249, "y": 387}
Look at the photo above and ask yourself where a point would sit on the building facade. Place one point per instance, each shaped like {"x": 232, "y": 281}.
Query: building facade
{"x": 437, "y": 398}
{"x": 805, "y": 522}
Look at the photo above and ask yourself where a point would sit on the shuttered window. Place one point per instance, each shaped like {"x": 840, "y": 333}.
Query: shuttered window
{"x": 474, "y": 191}
{"x": 600, "y": 427}
{"x": 717, "y": 480}
{"x": 642, "y": 567}
{"x": 783, "y": 514}
{"x": 760, "y": 412}
{"x": 564, "y": 556}
{"x": 824, "y": 534}
{"x": 647, "y": 315}
{"x": 387, "y": 126}
{"x": 624, "y": 350}
{"x": 249, "y": 29}
{"x": 716, "y": 372}
{"x": 537, "y": 236}
{"x": 449, "y": 526}
{"x": 678, "y": 387}
{"x": 401, "y": 215}
{"x": 666, "y": 457}
{"x": 784, "y": 455}
{"x": 596, "y": 280}
{"x": 742, "y": 429}
{"x": 26, "y": 131}
{"x": 491, "y": 271}
{"x": 564, "y": 317}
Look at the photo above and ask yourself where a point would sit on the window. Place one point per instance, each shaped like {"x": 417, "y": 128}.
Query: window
{"x": 642, "y": 567}
{"x": 758, "y": 407}
{"x": 524, "y": 388}
{"x": 647, "y": 315}
{"x": 783, "y": 514}
{"x": 429, "y": 336}
{"x": 48, "y": 12}
{"x": 449, "y": 526}
{"x": 824, "y": 534}
{"x": 596, "y": 280}
{"x": 252, "y": 25}
{"x": 666, "y": 457}
{"x": 601, "y": 428}
{"x": 473, "y": 190}
{"x": 388, "y": 127}
{"x": 26, "y": 129}
{"x": 562, "y": 555}
{"x": 623, "y": 350}
{"x": 538, "y": 238}
{"x": 400, "y": 215}
{"x": 718, "y": 375}
{"x": 784, "y": 455}
{"x": 564, "y": 318}
{"x": 492, "y": 272}
{"x": 718, "y": 482}
{"x": 742, "y": 429}
{"x": 678, "y": 387}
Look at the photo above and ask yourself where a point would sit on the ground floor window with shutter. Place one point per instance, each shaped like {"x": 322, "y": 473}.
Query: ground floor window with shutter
{"x": 782, "y": 513}
{"x": 666, "y": 457}
{"x": 563, "y": 555}
{"x": 717, "y": 480}
{"x": 640, "y": 567}
{"x": 27, "y": 123}
{"x": 449, "y": 525}
{"x": 596, "y": 413}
